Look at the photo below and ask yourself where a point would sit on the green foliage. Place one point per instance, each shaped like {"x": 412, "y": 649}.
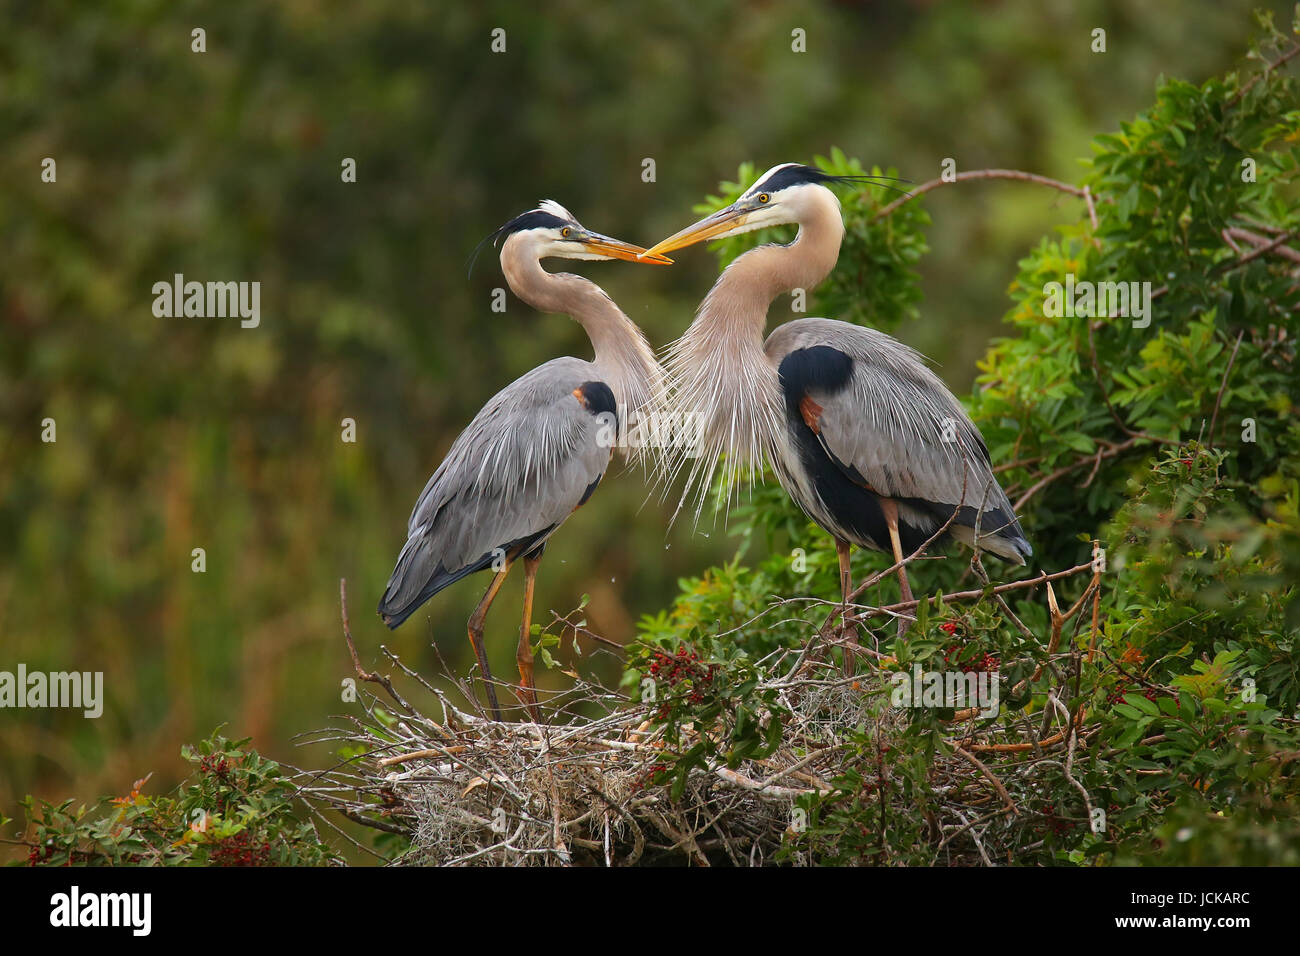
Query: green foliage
{"x": 687, "y": 664}
{"x": 179, "y": 434}
{"x": 236, "y": 809}
{"x": 1173, "y": 443}
{"x": 1167, "y": 187}
{"x": 1192, "y": 834}
{"x": 187, "y": 434}
{"x": 1199, "y": 575}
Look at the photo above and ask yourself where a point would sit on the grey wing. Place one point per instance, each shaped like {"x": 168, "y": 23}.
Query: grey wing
{"x": 894, "y": 428}
{"x": 533, "y": 454}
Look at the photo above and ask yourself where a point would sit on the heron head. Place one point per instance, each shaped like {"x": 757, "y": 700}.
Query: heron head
{"x": 551, "y": 231}
{"x": 787, "y": 194}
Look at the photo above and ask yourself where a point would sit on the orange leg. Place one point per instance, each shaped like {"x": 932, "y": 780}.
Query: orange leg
{"x": 524, "y": 655}
{"x": 843, "y": 549}
{"x": 476, "y": 636}
{"x": 890, "y": 509}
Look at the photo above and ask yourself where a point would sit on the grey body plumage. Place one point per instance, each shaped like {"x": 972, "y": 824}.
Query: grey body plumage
{"x": 895, "y": 429}
{"x": 864, "y": 437}
{"x": 511, "y": 478}
{"x": 538, "y": 448}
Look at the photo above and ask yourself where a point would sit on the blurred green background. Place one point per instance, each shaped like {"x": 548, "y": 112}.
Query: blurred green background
{"x": 181, "y": 433}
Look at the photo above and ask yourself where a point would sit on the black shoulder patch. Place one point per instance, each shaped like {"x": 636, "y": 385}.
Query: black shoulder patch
{"x": 821, "y": 367}
{"x": 598, "y": 398}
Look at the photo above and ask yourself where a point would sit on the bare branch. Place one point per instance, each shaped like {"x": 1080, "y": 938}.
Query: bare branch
{"x": 1015, "y": 174}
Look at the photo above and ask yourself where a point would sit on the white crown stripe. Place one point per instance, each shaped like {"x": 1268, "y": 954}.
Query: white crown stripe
{"x": 553, "y": 208}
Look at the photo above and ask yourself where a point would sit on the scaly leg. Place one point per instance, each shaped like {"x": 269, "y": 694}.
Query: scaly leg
{"x": 890, "y": 509}
{"x": 843, "y": 549}
{"x": 524, "y": 655}
{"x": 476, "y": 636}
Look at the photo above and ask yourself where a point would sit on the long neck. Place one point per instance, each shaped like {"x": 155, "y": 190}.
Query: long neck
{"x": 622, "y": 354}
{"x": 718, "y": 373}
{"x": 739, "y": 300}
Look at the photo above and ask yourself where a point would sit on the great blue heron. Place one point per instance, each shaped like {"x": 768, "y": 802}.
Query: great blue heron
{"x": 862, "y": 435}
{"x": 537, "y": 450}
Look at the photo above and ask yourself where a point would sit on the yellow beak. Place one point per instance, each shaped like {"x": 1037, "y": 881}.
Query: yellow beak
{"x": 710, "y": 227}
{"x": 618, "y": 249}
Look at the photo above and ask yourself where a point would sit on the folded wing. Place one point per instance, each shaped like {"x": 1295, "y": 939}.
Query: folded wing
{"x": 534, "y": 453}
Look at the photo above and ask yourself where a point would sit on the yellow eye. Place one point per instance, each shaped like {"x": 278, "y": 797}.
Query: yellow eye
{"x": 763, "y": 197}
{"x": 565, "y": 232}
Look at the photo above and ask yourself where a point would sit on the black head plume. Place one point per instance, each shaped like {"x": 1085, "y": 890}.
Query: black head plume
{"x": 792, "y": 174}
{"x": 548, "y": 215}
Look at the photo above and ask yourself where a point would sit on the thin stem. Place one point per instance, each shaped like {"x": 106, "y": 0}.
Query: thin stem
{"x": 1016, "y": 174}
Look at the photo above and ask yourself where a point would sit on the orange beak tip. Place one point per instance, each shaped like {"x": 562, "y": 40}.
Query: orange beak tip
{"x": 616, "y": 249}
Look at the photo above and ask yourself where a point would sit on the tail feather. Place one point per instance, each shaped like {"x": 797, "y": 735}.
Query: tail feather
{"x": 999, "y": 531}
{"x": 419, "y": 574}
{"x": 397, "y": 604}
{"x": 997, "y": 536}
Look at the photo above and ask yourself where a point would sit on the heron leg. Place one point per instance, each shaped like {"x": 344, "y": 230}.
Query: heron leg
{"x": 843, "y": 549}
{"x": 890, "y": 509}
{"x": 524, "y": 655}
{"x": 476, "y": 636}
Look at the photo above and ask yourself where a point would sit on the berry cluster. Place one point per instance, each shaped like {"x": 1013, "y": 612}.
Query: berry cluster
{"x": 1122, "y": 687}
{"x": 672, "y": 669}
{"x": 241, "y": 850}
{"x": 647, "y": 778}
{"x": 968, "y": 659}
{"x": 971, "y": 661}
{"x": 215, "y": 766}
{"x": 1058, "y": 825}
{"x": 39, "y": 854}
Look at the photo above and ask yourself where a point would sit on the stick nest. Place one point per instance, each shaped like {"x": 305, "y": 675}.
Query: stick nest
{"x": 467, "y": 790}
{"x": 580, "y": 787}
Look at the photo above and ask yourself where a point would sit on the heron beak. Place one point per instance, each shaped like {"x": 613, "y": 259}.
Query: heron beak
{"x": 618, "y": 249}
{"x": 710, "y": 227}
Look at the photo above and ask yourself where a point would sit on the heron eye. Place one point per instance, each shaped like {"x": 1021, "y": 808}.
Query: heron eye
{"x": 565, "y": 232}
{"x": 763, "y": 197}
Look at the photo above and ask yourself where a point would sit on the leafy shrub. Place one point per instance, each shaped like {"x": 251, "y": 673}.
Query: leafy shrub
{"x": 1173, "y": 444}
{"x": 235, "y": 809}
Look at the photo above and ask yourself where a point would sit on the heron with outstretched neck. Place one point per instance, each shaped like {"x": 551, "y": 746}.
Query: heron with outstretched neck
{"x": 537, "y": 450}
{"x": 862, "y": 435}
